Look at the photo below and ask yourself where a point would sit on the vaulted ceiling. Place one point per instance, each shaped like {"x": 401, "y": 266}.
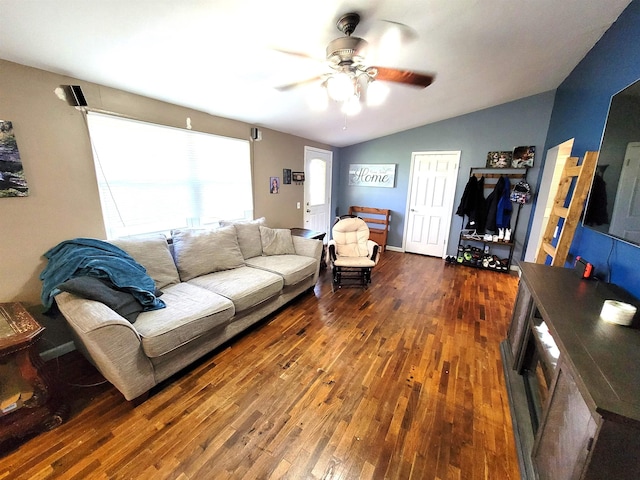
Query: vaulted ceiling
{"x": 226, "y": 57}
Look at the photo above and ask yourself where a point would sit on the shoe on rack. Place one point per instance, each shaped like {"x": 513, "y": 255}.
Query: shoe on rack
{"x": 500, "y": 234}
{"x": 507, "y": 235}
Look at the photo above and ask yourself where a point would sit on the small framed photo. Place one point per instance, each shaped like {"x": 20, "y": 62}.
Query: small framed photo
{"x": 523, "y": 157}
{"x": 499, "y": 159}
{"x": 274, "y": 184}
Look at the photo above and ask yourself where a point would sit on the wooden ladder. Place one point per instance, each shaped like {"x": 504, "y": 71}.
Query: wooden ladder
{"x": 570, "y": 215}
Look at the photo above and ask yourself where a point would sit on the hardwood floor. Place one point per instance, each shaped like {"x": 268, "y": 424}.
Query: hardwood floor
{"x": 403, "y": 380}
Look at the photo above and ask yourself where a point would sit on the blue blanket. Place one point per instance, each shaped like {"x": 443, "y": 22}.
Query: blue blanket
{"x": 97, "y": 258}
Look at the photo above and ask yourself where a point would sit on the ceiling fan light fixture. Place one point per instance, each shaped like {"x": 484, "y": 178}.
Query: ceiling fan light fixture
{"x": 340, "y": 86}
{"x": 352, "y": 105}
{"x": 377, "y": 93}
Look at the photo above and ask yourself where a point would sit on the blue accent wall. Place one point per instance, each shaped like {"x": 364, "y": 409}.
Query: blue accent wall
{"x": 580, "y": 111}
{"x": 521, "y": 122}
{"x": 577, "y": 109}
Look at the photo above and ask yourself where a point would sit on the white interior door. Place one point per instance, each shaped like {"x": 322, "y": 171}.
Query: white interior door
{"x": 625, "y": 219}
{"x": 317, "y": 189}
{"x": 430, "y": 202}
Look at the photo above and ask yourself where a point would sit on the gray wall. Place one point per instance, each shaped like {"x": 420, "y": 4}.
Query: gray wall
{"x": 521, "y": 122}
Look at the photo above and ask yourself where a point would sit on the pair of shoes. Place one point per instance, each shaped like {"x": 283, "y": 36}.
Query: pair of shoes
{"x": 504, "y": 235}
{"x": 450, "y": 259}
{"x": 494, "y": 263}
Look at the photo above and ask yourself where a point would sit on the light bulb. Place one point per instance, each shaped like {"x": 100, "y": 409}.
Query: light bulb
{"x": 339, "y": 86}
{"x": 352, "y": 105}
{"x": 376, "y": 93}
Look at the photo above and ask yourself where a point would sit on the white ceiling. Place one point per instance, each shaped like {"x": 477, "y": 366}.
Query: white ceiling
{"x": 221, "y": 56}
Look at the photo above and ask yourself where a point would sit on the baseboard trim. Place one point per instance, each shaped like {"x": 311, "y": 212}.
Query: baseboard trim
{"x": 57, "y": 351}
{"x": 394, "y": 249}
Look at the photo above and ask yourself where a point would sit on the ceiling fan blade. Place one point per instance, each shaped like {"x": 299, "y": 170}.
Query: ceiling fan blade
{"x": 405, "y": 32}
{"x": 407, "y": 77}
{"x": 290, "y": 86}
{"x": 296, "y": 54}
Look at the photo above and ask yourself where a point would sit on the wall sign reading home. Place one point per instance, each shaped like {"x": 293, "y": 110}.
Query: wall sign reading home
{"x": 372, "y": 175}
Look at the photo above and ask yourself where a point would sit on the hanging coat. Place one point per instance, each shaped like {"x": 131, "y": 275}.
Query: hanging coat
{"x": 498, "y": 207}
{"x": 505, "y": 207}
{"x": 472, "y": 204}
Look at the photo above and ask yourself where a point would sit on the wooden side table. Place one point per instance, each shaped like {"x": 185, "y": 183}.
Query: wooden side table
{"x": 29, "y": 400}
{"x": 306, "y": 233}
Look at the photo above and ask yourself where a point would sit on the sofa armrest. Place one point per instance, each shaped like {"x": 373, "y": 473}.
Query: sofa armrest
{"x": 309, "y": 247}
{"x": 110, "y": 342}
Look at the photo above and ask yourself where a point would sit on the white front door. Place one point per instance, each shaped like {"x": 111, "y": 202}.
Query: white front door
{"x": 317, "y": 189}
{"x": 430, "y": 202}
{"x": 625, "y": 219}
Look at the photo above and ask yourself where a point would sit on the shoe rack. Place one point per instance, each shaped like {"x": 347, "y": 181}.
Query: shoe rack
{"x": 490, "y": 251}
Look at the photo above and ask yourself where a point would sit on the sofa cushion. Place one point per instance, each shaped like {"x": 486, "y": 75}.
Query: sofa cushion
{"x": 276, "y": 241}
{"x": 244, "y": 286}
{"x": 191, "y": 311}
{"x": 199, "y": 252}
{"x": 249, "y": 237}
{"x": 292, "y": 268}
{"x": 152, "y": 252}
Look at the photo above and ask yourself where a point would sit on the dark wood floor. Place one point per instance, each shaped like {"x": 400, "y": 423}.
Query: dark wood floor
{"x": 403, "y": 380}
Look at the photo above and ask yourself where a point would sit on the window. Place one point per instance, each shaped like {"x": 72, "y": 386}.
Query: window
{"x": 155, "y": 178}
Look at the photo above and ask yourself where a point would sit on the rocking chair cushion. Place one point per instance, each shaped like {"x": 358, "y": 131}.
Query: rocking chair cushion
{"x": 360, "y": 262}
{"x": 351, "y": 236}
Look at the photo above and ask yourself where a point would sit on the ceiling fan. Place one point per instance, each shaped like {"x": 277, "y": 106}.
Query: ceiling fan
{"x": 346, "y": 58}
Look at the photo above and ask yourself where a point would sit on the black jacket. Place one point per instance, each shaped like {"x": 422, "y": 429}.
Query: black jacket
{"x": 472, "y": 204}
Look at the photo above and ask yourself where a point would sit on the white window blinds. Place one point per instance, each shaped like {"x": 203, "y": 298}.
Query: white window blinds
{"x": 156, "y": 178}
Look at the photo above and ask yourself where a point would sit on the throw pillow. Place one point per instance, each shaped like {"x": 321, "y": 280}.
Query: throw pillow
{"x": 152, "y": 252}
{"x": 276, "y": 241}
{"x": 102, "y": 290}
{"x": 198, "y": 252}
{"x": 249, "y": 237}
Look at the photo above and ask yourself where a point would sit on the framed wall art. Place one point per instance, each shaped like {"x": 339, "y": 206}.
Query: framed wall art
{"x": 499, "y": 159}
{"x": 372, "y": 175}
{"x": 12, "y": 180}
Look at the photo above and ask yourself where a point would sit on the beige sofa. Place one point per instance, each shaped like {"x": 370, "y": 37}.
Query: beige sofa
{"x": 215, "y": 284}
